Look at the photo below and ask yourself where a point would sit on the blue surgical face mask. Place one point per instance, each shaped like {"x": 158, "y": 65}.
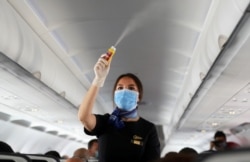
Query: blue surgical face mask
{"x": 126, "y": 99}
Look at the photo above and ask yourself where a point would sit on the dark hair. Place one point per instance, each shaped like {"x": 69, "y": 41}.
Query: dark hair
{"x": 53, "y": 154}
{"x": 188, "y": 150}
{"x": 170, "y": 154}
{"x": 4, "y": 147}
{"x": 175, "y": 157}
{"x": 219, "y": 134}
{"x": 137, "y": 82}
{"x": 91, "y": 143}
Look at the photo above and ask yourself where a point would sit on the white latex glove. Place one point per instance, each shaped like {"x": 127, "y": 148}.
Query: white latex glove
{"x": 101, "y": 70}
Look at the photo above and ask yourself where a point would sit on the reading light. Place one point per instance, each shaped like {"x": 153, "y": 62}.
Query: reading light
{"x": 234, "y": 99}
{"x": 244, "y": 100}
{"x": 222, "y": 40}
{"x": 214, "y": 124}
{"x": 37, "y": 74}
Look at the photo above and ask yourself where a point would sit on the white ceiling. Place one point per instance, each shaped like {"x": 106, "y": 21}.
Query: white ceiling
{"x": 170, "y": 45}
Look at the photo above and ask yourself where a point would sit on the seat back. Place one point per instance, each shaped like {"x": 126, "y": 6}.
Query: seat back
{"x": 13, "y": 157}
{"x": 235, "y": 155}
{"x": 42, "y": 158}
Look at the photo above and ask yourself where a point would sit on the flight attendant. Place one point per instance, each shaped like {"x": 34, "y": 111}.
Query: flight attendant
{"x": 122, "y": 135}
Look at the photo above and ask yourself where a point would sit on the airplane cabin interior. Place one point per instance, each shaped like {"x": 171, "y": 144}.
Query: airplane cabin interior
{"x": 192, "y": 57}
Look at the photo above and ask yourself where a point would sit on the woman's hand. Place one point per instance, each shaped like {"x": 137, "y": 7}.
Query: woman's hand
{"x": 101, "y": 70}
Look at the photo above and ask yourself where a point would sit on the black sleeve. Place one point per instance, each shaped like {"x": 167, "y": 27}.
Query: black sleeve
{"x": 152, "y": 149}
{"x": 101, "y": 125}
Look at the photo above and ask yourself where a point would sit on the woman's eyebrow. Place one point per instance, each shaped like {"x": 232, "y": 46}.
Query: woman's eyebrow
{"x": 130, "y": 85}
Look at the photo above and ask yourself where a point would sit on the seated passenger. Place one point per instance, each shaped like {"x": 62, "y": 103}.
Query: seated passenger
{"x": 81, "y": 153}
{"x": 93, "y": 149}
{"x": 53, "y": 153}
{"x": 176, "y": 157}
{"x": 220, "y": 142}
{"x": 170, "y": 155}
{"x": 188, "y": 151}
{"x": 73, "y": 159}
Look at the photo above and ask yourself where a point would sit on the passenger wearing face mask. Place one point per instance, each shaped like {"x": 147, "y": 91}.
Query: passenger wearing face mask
{"x": 220, "y": 142}
{"x": 122, "y": 135}
{"x": 93, "y": 150}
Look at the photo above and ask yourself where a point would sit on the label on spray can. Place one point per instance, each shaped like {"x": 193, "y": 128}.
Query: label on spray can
{"x": 110, "y": 53}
